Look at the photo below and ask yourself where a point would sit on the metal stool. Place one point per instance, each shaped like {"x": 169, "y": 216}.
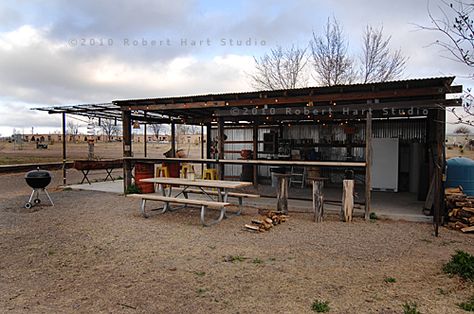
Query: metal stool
{"x": 210, "y": 174}
{"x": 185, "y": 169}
{"x": 161, "y": 171}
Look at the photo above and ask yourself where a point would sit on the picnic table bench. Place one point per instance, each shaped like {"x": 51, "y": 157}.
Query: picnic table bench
{"x": 238, "y": 195}
{"x": 167, "y": 200}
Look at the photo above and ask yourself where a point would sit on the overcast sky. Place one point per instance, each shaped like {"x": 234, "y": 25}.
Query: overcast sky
{"x": 55, "y": 52}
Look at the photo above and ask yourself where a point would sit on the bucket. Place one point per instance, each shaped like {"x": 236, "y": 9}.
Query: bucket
{"x": 144, "y": 171}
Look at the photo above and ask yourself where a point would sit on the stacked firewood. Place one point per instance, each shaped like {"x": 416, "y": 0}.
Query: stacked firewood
{"x": 460, "y": 209}
{"x": 267, "y": 221}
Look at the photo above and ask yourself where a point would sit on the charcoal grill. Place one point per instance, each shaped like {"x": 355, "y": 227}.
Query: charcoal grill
{"x": 38, "y": 180}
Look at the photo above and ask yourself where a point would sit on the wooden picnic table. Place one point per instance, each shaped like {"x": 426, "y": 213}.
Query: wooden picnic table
{"x": 166, "y": 186}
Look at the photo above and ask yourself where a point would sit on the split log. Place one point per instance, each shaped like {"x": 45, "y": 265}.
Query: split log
{"x": 468, "y": 209}
{"x": 254, "y": 228}
{"x": 468, "y": 229}
{"x": 318, "y": 200}
{"x": 257, "y": 221}
{"x": 347, "y": 200}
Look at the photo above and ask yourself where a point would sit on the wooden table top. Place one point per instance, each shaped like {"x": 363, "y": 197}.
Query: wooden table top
{"x": 202, "y": 183}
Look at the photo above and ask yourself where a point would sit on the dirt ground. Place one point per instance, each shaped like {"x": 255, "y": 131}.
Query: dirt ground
{"x": 93, "y": 253}
{"x": 28, "y": 153}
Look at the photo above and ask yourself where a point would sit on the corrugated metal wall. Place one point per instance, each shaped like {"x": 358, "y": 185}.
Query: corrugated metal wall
{"x": 407, "y": 130}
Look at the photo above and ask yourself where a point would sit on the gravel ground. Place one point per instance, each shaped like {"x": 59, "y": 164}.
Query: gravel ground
{"x": 94, "y": 253}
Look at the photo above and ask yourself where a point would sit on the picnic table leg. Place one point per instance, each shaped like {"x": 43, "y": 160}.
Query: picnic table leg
{"x": 109, "y": 174}
{"x": 85, "y": 173}
{"x": 212, "y": 222}
{"x": 142, "y": 208}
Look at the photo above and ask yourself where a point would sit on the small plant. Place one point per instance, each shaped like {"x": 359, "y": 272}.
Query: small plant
{"x": 199, "y": 273}
{"x": 201, "y": 290}
{"x": 467, "y": 306}
{"x": 442, "y": 291}
{"x": 319, "y": 306}
{"x": 390, "y": 280}
{"x": 234, "y": 258}
{"x": 462, "y": 264}
{"x": 373, "y": 216}
{"x": 410, "y": 308}
{"x": 257, "y": 261}
{"x": 237, "y": 258}
{"x": 133, "y": 189}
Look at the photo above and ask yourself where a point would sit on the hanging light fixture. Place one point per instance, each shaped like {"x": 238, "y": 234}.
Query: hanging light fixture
{"x": 136, "y": 125}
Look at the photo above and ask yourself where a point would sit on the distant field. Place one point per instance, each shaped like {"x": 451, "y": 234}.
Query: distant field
{"x": 9, "y": 154}
{"x": 28, "y": 153}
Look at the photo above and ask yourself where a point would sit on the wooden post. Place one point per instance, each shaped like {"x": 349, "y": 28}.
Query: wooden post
{"x": 208, "y": 142}
{"x": 221, "y": 170}
{"x": 255, "y": 152}
{"x": 202, "y": 148}
{"x": 347, "y": 200}
{"x": 173, "y": 139}
{"x": 282, "y": 193}
{"x": 127, "y": 148}
{"x": 145, "y": 140}
{"x": 318, "y": 200}
{"x": 368, "y": 161}
{"x": 64, "y": 147}
{"x": 439, "y": 167}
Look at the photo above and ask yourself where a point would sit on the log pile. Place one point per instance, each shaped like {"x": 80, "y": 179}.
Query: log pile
{"x": 267, "y": 221}
{"x": 460, "y": 209}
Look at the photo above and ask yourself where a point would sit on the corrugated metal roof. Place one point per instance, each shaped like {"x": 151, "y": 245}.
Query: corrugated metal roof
{"x": 418, "y": 82}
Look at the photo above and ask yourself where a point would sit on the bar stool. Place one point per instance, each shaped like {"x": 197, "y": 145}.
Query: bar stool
{"x": 210, "y": 174}
{"x": 185, "y": 169}
{"x": 161, "y": 171}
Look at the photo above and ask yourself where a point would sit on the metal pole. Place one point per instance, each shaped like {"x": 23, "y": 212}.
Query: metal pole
{"x": 64, "y": 147}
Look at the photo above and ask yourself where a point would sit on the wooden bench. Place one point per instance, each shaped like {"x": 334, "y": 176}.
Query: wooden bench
{"x": 168, "y": 200}
{"x": 237, "y": 195}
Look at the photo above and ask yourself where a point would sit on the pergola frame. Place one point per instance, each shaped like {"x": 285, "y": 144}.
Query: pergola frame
{"x": 253, "y": 109}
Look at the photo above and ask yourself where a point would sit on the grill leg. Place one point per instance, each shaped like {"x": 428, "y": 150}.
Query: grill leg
{"x": 31, "y": 196}
{"x": 49, "y": 197}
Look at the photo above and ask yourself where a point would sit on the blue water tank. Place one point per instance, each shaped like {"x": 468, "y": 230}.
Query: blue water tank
{"x": 461, "y": 172}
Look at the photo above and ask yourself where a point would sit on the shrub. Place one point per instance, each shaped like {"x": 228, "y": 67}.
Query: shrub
{"x": 410, "y": 308}
{"x": 319, "y": 306}
{"x": 461, "y": 264}
{"x": 468, "y": 306}
{"x": 373, "y": 216}
{"x": 390, "y": 280}
{"x": 133, "y": 189}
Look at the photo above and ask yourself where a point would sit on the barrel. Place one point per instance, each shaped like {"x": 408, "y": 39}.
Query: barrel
{"x": 144, "y": 171}
{"x": 461, "y": 173}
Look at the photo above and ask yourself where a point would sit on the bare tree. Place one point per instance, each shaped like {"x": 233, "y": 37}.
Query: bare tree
{"x": 454, "y": 22}
{"x": 457, "y": 27}
{"x": 109, "y": 128}
{"x": 156, "y": 128}
{"x": 378, "y": 62}
{"x": 280, "y": 69}
{"x": 330, "y": 59}
{"x": 462, "y": 130}
{"x": 73, "y": 129}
